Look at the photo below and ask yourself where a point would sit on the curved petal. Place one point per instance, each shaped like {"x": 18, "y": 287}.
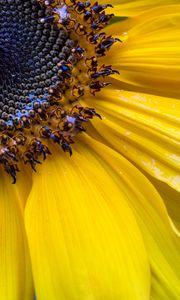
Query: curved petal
{"x": 149, "y": 59}
{"x": 81, "y": 246}
{"x": 144, "y": 128}
{"x": 23, "y": 185}
{"x": 131, "y": 8}
{"x": 15, "y": 269}
{"x": 171, "y": 199}
{"x": 160, "y": 239}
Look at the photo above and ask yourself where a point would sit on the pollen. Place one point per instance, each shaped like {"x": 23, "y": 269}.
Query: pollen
{"x": 50, "y": 58}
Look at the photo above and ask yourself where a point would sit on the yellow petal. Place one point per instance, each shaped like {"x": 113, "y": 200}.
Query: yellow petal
{"x": 81, "y": 246}
{"x": 160, "y": 239}
{"x": 15, "y": 270}
{"x": 149, "y": 59}
{"x": 171, "y": 199}
{"x": 144, "y": 128}
{"x": 135, "y": 7}
{"x": 23, "y": 185}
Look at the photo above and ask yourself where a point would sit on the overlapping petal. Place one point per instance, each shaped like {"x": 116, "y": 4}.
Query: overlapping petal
{"x": 149, "y": 59}
{"x": 144, "y": 128}
{"x": 15, "y": 267}
{"x": 83, "y": 237}
{"x": 160, "y": 238}
{"x": 171, "y": 199}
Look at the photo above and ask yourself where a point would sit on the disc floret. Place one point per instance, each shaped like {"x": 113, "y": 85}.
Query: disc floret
{"x": 57, "y": 115}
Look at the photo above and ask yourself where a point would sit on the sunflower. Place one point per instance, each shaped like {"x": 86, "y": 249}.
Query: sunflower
{"x": 89, "y": 150}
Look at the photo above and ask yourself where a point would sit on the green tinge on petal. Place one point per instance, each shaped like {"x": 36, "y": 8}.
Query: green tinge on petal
{"x": 144, "y": 128}
{"x": 160, "y": 238}
{"x": 15, "y": 269}
{"x": 82, "y": 247}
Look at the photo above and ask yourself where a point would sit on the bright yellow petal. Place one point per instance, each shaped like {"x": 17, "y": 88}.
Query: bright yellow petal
{"x": 144, "y": 128}
{"x": 23, "y": 185}
{"x": 149, "y": 57}
{"x": 15, "y": 270}
{"x": 134, "y": 7}
{"x": 82, "y": 246}
{"x": 171, "y": 199}
{"x": 159, "y": 236}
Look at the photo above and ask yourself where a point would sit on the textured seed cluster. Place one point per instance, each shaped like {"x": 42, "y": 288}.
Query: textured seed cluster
{"x": 50, "y": 59}
{"x": 29, "y": 53}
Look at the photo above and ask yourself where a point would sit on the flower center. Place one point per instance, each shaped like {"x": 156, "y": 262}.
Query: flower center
{"x": 50, "y": 54}
{"x": 29, "y": 53}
